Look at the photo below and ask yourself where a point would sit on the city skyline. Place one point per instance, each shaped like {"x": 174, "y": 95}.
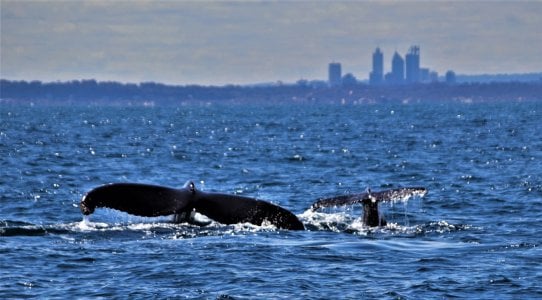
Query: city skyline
{"x": 217, "y": 43}
{"x": 403, "y": 71}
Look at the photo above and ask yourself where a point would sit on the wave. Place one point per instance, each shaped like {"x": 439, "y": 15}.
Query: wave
{"x": 341, "y": 222}
{"x": 17, "y": 228}
{"x": 344, "y": 222}
{"x": 9, "y": 228}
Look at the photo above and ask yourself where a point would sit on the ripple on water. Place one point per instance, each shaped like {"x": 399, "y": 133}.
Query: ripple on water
{"x": 475, "y": 235}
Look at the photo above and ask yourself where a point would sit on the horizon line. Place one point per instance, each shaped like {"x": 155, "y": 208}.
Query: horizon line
{"x": 268, "y": 83}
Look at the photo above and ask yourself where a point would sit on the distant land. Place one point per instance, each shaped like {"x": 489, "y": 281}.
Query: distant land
{"x": 489, "y": 78}
{"x": 468, "y": 88}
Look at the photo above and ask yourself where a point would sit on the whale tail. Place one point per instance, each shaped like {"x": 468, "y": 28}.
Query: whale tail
{"x": 152, "y": 201}
{"x": 370, "y": 200}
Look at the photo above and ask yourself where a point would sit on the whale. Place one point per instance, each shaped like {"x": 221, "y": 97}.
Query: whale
{"x": 153, "y": 200}
{"x": 369, "y": 201}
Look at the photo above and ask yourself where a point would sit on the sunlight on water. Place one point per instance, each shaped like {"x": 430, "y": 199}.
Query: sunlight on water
{"x": 475, "y": 234}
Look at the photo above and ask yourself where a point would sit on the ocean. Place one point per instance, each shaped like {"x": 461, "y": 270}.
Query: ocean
{"x": 476, "y": 234}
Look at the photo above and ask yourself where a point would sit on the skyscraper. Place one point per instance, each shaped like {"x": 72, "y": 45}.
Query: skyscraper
{"x": 397, "y": 69}
{"x": 450, "y": 77}
{"x": 334, "y": 74}
{"x": 413, "y": 64}
{"x": 377, "y": 75}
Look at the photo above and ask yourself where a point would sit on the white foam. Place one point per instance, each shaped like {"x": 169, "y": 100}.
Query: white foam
{"x": 249, "y": 227}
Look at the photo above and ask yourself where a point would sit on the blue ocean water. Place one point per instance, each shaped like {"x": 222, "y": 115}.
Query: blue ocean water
{"x": 476, "y": 234}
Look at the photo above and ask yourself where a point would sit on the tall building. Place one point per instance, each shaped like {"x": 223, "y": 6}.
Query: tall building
{"x": 433, "y": 76}
{"x": 424, "y": 74}
{"x": 334, "y": 74}
{"x": 413, "y": 65}
{"x": 397, "y": 69}
{"x": 450, "y": 77}
{"x": 377, "y": 75}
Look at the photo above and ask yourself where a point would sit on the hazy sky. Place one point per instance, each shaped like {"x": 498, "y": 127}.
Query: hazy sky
{"x": 242, "y": 42}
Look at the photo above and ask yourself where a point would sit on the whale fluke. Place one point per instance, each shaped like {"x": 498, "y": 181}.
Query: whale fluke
{"x": 152, "y": 201}
{"x": 370, "y": 201}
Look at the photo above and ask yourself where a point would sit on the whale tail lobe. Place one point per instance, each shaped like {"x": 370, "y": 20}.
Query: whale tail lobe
{"x": 136, "y": 199}
{"x": 233, "y": 209}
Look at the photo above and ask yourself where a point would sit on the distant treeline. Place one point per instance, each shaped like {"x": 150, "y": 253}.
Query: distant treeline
{"x": 94, "y": 92}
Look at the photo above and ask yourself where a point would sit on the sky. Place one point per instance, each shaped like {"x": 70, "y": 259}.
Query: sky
{"x": 249, "y": 42}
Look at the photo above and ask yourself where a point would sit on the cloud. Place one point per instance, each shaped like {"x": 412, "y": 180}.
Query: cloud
{"x": 242, "y": 42}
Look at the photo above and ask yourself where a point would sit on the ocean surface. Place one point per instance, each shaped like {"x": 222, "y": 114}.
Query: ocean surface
{"x": 476, "y": 234}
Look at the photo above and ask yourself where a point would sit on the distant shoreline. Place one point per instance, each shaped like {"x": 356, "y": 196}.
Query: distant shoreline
{"x": 149, "y": 94}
